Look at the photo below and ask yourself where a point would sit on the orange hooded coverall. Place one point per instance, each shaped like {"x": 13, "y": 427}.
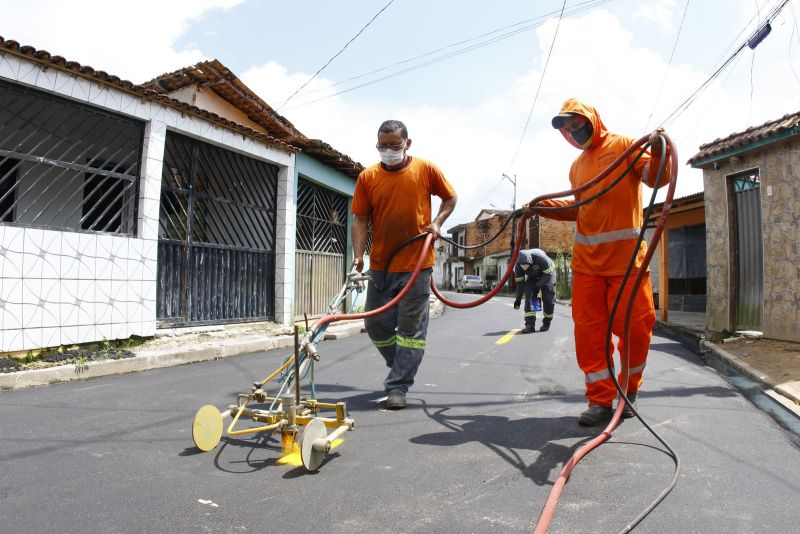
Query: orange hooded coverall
{"x": 606, "y": 231}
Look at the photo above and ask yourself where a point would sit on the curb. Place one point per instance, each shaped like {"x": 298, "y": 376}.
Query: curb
{"x": 716, "y": 356}
{"x": 158, "y": 358}
{"x": 685, "y": 336}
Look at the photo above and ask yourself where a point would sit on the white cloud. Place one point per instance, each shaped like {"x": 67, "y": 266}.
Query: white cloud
{"x": 658, "y": 12}
{"x": 594, "y": 59}
{"x": 132, "y": 40}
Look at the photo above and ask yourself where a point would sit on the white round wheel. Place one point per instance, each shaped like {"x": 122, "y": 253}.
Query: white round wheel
{"x": 311, "y": 457}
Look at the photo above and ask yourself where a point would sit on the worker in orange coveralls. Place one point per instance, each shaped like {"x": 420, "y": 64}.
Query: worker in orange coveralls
{"x": 606, "y": 232}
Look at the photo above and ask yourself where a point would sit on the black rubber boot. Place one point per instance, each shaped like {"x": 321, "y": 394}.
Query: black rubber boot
{"x": 545, "y": 326}
{"x": 627, "y": 413}
{"x": 595, "y": 415}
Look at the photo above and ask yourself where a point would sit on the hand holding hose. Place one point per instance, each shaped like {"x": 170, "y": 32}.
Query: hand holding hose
{"x": 434, "y": 228}
{"x": 655, "y": 140}
{"x": 528, "y": 211}
{"x": 358, "y": 263}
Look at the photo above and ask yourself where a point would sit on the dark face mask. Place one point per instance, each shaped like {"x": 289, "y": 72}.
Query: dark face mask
{"x": 582, "y": 134}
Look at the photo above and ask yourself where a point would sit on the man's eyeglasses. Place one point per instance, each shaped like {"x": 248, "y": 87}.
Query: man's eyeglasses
{"x": 396, "y": 146}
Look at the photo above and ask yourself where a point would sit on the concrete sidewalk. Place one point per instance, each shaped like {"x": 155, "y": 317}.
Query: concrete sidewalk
{"x": 690, "y": 332}
{"x": 176, "y": 347}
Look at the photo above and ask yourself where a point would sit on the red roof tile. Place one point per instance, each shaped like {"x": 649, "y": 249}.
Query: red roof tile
{"x": 786, "y": 125}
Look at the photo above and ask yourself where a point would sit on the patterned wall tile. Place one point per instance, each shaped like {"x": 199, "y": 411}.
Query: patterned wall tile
{"x": 12, "y": 242}
{"x": 12, "y": 340}
{"x": 10, "y": 304}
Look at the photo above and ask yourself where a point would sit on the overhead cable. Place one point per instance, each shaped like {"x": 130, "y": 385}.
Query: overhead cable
{"x": 669, "y": 64}
{"x": 541, "y": 79}
{"x": 691, "y": 98}
{"x": 577, "y": 9}
{"x": 336, "y": 54}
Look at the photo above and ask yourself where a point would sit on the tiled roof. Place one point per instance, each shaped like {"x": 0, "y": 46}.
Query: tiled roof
{"x": 678, "y": 202}
{"x": 44, "y": 57}
{"x": 780, "y": 128}
{"x": 221, "y": 80}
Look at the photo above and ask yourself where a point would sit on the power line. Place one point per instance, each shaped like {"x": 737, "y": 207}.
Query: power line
{"x": 336, "y": 54}
{"x": 577, "y": 10}
{"x": 539, "y": 20}
{"x": 541, "y": 79}
{"x": 791, "y": 42}
{"x": 669, "y": 64}
{"x": 751, "y": 41}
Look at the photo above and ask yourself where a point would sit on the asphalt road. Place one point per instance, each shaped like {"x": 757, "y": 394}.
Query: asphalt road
{"x": 486, "y": 432}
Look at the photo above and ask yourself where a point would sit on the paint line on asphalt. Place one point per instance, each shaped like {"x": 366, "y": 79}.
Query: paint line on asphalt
{"x": 506, "y": 338}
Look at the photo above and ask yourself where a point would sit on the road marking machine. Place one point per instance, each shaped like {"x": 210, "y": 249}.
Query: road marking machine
{"x": 287, "y": 411}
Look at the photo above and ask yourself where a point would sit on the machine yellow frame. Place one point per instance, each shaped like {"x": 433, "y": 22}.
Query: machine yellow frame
{"x": 287, "y": 411}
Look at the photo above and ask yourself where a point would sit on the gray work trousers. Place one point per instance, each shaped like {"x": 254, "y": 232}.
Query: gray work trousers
{"x": 399, "y": 333}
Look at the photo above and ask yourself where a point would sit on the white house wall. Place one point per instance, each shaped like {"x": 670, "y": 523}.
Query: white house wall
{"x": 64, "y": 288}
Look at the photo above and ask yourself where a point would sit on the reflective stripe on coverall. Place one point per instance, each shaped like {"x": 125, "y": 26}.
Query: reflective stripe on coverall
{"x": 592, "y": 300}
{"x": 606, "y": 231}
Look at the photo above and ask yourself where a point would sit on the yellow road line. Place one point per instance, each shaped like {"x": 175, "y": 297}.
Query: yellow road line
{"x": 506, "y": 338}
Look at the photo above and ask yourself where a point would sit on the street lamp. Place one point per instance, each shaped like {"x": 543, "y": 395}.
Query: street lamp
{"x": 514, "y": 183}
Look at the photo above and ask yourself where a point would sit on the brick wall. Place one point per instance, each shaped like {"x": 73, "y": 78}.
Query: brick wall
{"x": 480, "y": 231}
{"x": 551, "y": 236}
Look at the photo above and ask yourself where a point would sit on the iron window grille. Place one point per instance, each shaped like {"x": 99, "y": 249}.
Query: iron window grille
{"x": 321, "y": 219}
{"x": 65, "y": 165}
{"x": 746, "y": 181}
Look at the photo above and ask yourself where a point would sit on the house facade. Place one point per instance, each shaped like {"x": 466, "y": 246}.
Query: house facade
{"x": 125, "y": 208}
{"x": 752, "y": 212}
{"x": 323, "y": 183}
{"x": 681, "y": 254}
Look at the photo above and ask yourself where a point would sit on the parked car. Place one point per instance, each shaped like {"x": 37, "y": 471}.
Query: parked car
{"x": 470, "y": 282}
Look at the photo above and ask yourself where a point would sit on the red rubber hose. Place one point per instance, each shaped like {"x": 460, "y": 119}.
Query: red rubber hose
{"x": 499, "y": 285}
{"x": 428, "y": 243}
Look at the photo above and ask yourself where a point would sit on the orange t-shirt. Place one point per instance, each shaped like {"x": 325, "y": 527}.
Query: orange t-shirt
{"x": 398, "y": 204}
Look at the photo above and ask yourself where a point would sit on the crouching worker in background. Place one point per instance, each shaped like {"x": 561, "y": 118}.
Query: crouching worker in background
{"x": 535, "y": 272}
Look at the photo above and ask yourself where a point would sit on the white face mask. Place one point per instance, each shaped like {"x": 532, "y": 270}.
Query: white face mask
{"x": 392, "y": 157}
{"x": 524, "y": 266}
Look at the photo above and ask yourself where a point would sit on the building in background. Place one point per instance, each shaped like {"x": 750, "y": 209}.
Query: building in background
{"x": 491, "y": 261}
{"x": 752, "y": 215}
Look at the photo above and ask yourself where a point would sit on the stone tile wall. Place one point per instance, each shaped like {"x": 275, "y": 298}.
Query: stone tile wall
{"x": 779, "y": 171}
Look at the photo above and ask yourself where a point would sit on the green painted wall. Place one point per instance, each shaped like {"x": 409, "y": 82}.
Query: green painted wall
{"x": 314, "y": 171}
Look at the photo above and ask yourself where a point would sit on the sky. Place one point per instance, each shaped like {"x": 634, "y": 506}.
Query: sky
{"x": 466, "y": 105}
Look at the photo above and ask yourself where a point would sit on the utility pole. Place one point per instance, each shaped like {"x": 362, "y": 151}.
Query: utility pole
{"x": 514, "y": 183}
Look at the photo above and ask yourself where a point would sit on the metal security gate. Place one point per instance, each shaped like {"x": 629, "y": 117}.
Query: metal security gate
{"x": 321, "y": 243}
{"x": 216, "y": 249}
{"x": 749, "y": 251}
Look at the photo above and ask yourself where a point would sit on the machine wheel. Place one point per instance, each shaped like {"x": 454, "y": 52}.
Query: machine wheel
{"x": 207, "y": 427}
{"x": 313, "y": 458}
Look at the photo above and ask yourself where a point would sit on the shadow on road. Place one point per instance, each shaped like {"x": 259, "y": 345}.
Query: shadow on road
{"x": 507, "y": 437}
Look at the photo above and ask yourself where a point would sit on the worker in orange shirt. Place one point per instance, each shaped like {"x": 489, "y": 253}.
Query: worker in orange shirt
{"x": 606, "y": 233}
{"x": 395, "y": 197}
